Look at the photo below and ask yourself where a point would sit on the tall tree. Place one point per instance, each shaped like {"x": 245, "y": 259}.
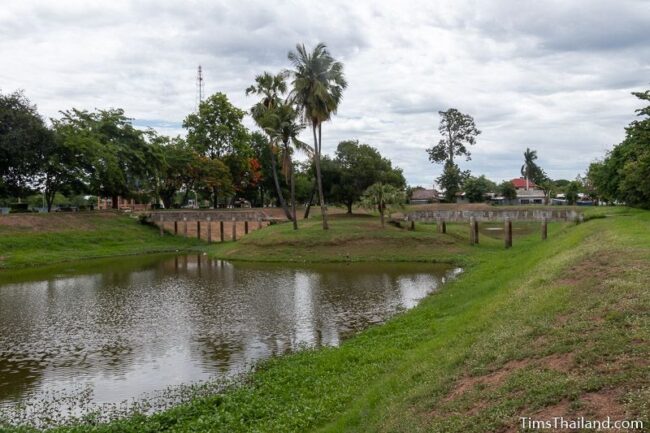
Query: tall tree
{"x": 217, "y": 132}
{"x": 530, "y": 170}
{"x": 361, "y": 166}
{"x": 458, "y": 133}
{"x": 624, "y": 174}
{"x": 24, "y": 140}
{"x": 283, "y": 128}
{"x": 318, "y": 84}
{"x": 115, "y": 153}
{"x": 450, "y": 180}
{"x": 271, "y": 88}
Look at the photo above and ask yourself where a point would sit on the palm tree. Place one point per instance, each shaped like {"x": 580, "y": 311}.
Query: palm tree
{"x": 318, "y": 85}
{"x": 283, "y": 128}
{"x": 381, "y": 196}
{"x": 270, "y": 87}
{"x": 529, "y": 169}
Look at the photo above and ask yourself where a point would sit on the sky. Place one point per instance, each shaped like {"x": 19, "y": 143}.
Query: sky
{"x": 555, "y": 76}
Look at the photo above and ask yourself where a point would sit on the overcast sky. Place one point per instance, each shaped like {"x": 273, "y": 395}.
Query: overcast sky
{"x": 555, "y": 76}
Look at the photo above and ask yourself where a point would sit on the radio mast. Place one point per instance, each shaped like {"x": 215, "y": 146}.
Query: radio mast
{"x": 199, "y": 88}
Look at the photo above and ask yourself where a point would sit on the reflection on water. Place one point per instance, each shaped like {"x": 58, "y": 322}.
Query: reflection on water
{"x": 140, "y": 325}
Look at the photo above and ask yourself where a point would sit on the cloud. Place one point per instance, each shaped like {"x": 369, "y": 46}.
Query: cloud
{"x": 555, "y": 76}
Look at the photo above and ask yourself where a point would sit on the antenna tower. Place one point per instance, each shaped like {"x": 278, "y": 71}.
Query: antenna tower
{"x": 199, "y": 87}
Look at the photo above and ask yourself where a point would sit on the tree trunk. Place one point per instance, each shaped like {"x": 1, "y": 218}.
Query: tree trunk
{"x": 321, "y": 196}
{"x": 381, "y": 215}
{"x": 215, "y": 198}
{"x": 311, "y": 200}
{"x": 283, "y": 203}
{"x": 349, "y": 205}
{"x": 293, "y": 197}
{"x": 114, "y": 203}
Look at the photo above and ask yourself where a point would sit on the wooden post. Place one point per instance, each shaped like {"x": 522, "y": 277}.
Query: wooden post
{"x": 209, "y": 230}
{"x": 443, "y": 226}
{"x": 198, "y": 229}
{"x": 175, "y": 227}
{"x": 544, "y": 228}
{"x": 259, "y": 223}
{"x": 412, "y": 225}
{"x": 508, "y": 232}
{"x": 475, "y": 231}
{"x": 471, "y": 231}
{"x": 162, "y": 226}
{"x": 221, "y": 230}
{"x": 234, "y": 229}
{"x": 245, "y": 227}
{"x": 185, "y": 226}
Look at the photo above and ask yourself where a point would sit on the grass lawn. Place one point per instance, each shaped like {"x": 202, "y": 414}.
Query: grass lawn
{"x": 553, "y": 328}
{"x": 34, "y": 240}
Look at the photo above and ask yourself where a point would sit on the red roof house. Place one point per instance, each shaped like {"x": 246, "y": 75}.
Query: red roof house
{"x": 520, "y": 183}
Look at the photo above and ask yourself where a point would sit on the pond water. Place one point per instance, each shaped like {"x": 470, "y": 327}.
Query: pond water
{"x": 124, "y": 328}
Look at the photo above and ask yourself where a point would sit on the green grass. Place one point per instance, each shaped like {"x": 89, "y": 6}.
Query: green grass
{"x": 545, "y": 329}
{"x": 64, "y": 238}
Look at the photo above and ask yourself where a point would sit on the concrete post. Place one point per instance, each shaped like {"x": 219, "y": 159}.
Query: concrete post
{"x": 234, "y": 229}
{"x": 221, "y": 230}
{"x": 245, "y": 227}
{"x": 185, "y": 226}
{"x": 162, "y": 226}
{"x": 198, "y": 229}
{"x": 471, "y": 231}
{"x": 508, "y": 233}
{"x": 209, "y": 230}
{"x": 544, "y": 228}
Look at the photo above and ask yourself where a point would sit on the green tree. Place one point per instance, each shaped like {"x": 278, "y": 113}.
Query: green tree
{"x": 530, "y": 170}
{"x": 271, "y": 88}
{"x": 477, "y": 188}
{"x": 116, "y": 155}
{"x": 24, "y": 143}
{"x": 217, "y": 132}
{"x": 572, "y": 189}
{"x": 318, "y": 84}
{"x": 361, "y": 166}
{"x": 450, "y": 180}
{"x": 624, "y": 174}
{"x": 283, "y": 127}
{"x": 507, "y": 190}
{"x": 458, "y": 132}
{"x": 382, "y": 196}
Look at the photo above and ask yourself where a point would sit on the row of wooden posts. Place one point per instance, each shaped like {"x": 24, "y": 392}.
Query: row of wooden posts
{"x": 209, "y": 221}
{"x": 441, "y": 226}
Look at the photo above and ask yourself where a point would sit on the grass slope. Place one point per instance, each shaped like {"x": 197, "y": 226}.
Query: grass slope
{"x": 36, "y": 240}
{"x": 546, "y": 329}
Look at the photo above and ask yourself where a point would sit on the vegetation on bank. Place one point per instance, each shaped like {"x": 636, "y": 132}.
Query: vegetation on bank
{"x": 41, "y": 239}
{"x": 546, "y": 329}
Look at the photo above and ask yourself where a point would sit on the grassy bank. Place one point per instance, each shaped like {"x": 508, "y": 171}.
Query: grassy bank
{"x": 37, "y": 240}
{"x": 555, "y": 328}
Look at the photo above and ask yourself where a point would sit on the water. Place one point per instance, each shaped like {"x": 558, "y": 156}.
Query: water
{"x": 122, "y": 329}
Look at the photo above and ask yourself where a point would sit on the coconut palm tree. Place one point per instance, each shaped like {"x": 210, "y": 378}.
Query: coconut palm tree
{"x": 529, "y": 169}
{"x": 318, "y": 85}
{"x": 283, "y": 127}
{"x": 271, "y": 88}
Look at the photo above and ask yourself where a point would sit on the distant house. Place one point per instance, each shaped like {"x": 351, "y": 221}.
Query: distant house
{"x": 424, "y": 196}
{"x": 528, "y": 192}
